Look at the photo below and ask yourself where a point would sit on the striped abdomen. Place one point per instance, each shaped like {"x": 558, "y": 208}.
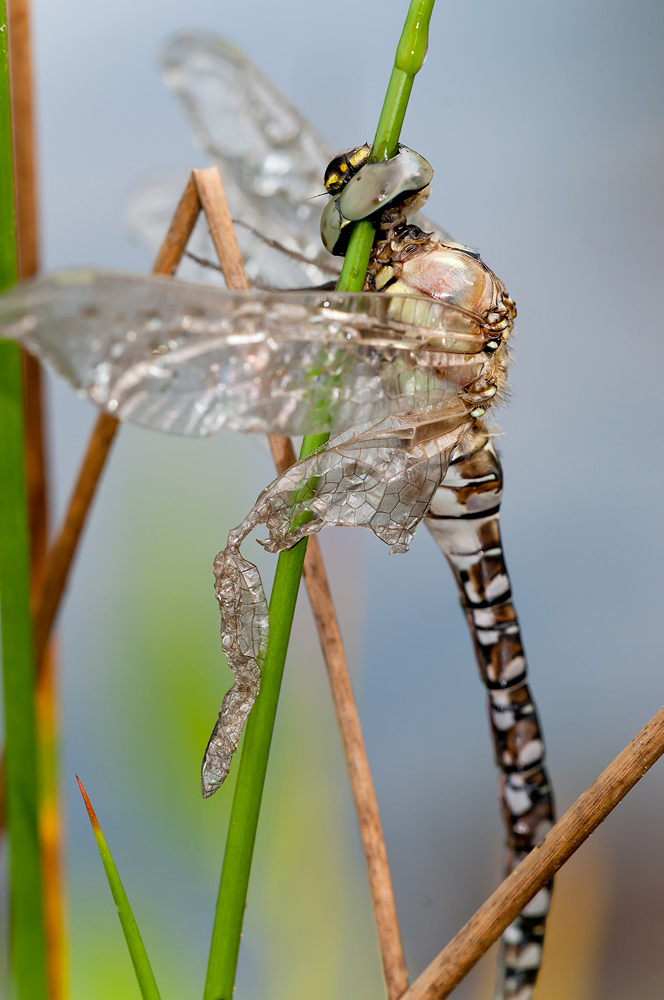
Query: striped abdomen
{"x": 464, "y": 520}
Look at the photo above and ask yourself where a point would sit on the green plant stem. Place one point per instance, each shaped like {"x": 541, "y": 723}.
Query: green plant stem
{"x": 231, "y": 902}
{"x": 411, "y": 50}
{"x": 245, "y": 810}
{"x": 27, "y": 936}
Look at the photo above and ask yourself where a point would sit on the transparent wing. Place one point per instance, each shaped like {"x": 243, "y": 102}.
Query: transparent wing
{"x": 189, "y": 359}
{"x": 272, "y": 163}
{"x": 372, "y": 476}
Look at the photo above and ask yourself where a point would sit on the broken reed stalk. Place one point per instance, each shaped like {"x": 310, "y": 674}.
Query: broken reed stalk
{"x": 456, "y": 960}
{"x": 222, "y": 230}
{"x": 63, "y": 549}
{"x": 55, "y": 568}
{"x": 46, "y": 600}
{"x": 355, "y": 754}
{"x": 357, "y": 762}
{"x": 27, "y": 244}
{"x": 25, "y": 169}
{"x": 204, "y": 190}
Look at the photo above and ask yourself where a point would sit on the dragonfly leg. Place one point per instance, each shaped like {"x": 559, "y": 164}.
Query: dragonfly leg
{"x": 464, "y": 520}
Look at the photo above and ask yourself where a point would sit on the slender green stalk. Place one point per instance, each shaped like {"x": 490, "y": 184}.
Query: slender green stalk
{"x": 27, "y": 937}
{"x": 411, "y": 50}
{"x": 227, "y": 929}
{"x": 139, "y": 958}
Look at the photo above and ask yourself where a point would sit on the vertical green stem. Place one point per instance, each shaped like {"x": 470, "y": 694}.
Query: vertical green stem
{"x": 408, "y": 61}
{"x": 27, "y": 938}
{"x": 227, "y": 929}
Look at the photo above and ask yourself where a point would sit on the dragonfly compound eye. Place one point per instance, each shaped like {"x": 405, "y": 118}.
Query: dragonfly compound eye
{"x": 371, "y": 188}
{"x": 344, "y": 166}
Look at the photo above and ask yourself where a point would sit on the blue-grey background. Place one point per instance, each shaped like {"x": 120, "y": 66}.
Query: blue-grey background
{"x": 544, "y": 124}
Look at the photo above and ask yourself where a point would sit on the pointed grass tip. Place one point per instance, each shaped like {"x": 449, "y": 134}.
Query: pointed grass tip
{"x": 88, "y": 805}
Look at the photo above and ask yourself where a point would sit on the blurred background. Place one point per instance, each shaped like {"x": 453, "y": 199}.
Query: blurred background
{"x": 544, "y": 124}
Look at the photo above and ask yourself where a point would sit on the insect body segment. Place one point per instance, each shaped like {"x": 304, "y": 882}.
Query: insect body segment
{"x": 464, "y": 520}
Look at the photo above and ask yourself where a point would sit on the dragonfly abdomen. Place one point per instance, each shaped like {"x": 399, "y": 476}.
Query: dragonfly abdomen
{"x": 464, "y": 520}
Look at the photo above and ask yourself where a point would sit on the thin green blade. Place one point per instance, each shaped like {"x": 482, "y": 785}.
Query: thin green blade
{"x": 139, "y": 958}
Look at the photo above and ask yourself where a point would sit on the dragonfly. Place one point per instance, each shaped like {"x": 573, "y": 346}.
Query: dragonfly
{"x": 403, "y": 374}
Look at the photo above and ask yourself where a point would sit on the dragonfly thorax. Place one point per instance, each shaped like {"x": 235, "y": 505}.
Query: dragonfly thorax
{"x": 405, "y": 260}
{"x": 416, "y": 264}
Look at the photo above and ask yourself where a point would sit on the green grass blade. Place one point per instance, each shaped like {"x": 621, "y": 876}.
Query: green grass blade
{"x": 27, "y": 936}
{"x": 231, "y": 901}
{"x": 139, "y": 958}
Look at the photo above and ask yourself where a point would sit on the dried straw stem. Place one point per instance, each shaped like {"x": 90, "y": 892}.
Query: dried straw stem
{"x": 357, "y": 763}
{"x": 205, "y": 190}
{"x": 212, "y": 196}
{"x": 23, "y": 138}
{"x": 62, "y": 550}
{"x": 61, "y": 554}
{"x": 488, "y": 923}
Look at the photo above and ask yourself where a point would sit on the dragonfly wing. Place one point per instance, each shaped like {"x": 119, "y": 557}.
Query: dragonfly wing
{"x": 270, "y": 156}
{"x": 189, "y": 359}
{"x": 272, "y": 163}
{"x": 370, "y": 476}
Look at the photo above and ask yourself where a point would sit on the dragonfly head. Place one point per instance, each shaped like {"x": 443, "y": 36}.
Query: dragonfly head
{"x": 366, "y": 190}
{"x": 344, "y": 166}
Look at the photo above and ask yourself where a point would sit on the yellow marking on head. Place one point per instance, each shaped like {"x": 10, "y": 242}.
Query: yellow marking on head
{"x": 358, "y": 157}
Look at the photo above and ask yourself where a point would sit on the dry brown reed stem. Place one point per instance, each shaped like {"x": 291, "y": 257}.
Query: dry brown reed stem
{"x": 212, "y": 196}
{"x": 204, "y": 189}
{"x": 23, "y": 137}
{"x": 54, "y": 569}
{"x": 456, "y": 960}
{"x": 213, "y": 199}
{"x": 61, "y": 554}
{"x": 357, "y": 763}
{"x": 62, "y": 550}
{"x": 27, "y": 246}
